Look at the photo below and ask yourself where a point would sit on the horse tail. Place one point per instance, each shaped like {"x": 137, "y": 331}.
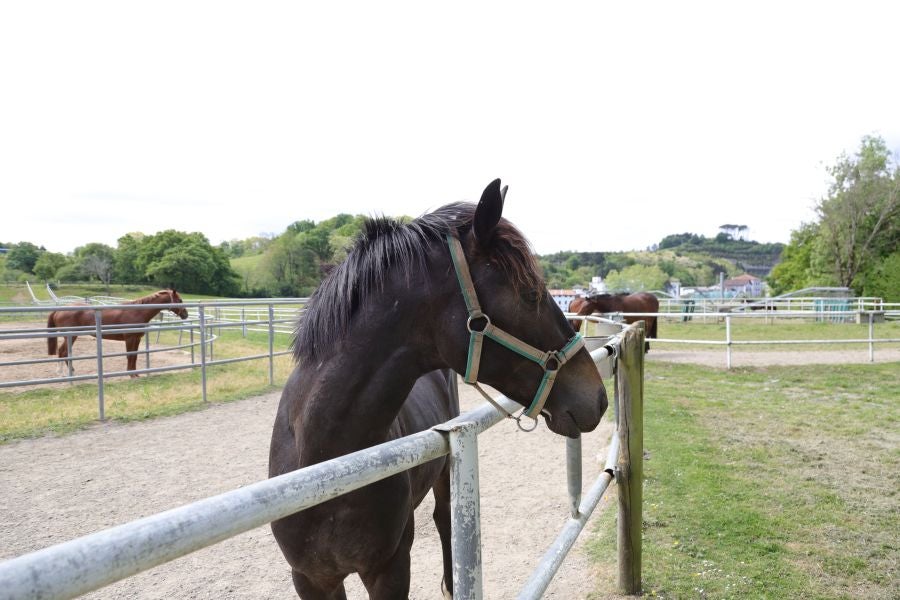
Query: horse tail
{"x": 652, "y": 333}
{"x": 51, "y": 339}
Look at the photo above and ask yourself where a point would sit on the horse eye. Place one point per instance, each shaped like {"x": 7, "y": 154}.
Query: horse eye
{"x": 531, "y": 296}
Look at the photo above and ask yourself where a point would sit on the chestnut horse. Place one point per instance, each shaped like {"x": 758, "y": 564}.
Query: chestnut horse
{"x": 642, "y": 302}
{"x": 374, "y": 364}
{"x": 126, "y": 317}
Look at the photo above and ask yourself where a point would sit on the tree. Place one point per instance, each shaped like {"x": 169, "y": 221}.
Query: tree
{"x": 860, "y": 216}
{"x": 798, "y": 267}
{"x": 636, "y": 278}
{"x": 23, "y": 256}
{"x": 186, "y": 261}
{"x": 48, "y": 264}
{"x": 96, "y": 260}
{"x": 125, "y": 263}
{"x": 882, "y": 279}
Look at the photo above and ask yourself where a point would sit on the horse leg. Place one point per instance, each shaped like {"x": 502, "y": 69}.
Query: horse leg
{"x": 308, "y": 590}
{"x": 392, "y": 578}
{"x": 64, "y": 352}
{"x": 441, "y": 516}
{"x": 131, "y": 345}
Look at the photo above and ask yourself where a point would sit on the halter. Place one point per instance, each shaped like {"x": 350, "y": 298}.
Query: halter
{"x": 551, "y": 362}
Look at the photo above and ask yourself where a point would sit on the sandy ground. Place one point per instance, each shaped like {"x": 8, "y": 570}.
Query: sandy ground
{"x": 55, "y": 488}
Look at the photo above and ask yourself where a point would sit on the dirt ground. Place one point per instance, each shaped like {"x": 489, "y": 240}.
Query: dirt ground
{"x": 55, "y": 488}
{"x": 12, "y": 350}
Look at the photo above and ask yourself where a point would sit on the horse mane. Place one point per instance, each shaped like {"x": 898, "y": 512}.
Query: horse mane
{"x": 152, "y": 298}
{"x": 595, "y": 297}
{"x": 387, "y": 245}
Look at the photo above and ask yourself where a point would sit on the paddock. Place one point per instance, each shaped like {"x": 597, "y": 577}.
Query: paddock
{"x": 55, "y": 489}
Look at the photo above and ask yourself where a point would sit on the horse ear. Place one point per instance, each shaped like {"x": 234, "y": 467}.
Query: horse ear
{"x": 488, "y": 212}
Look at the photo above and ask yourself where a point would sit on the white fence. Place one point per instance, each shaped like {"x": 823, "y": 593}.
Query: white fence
{"x": 79, "y": 566}
{"x": 869, "y": 318}
{"x": 823, "y": 305}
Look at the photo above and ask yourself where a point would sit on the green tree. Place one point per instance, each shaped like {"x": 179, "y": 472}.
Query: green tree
{"x": 48, "y": 264}
{"x": 882, "y": 279}
{"x": 96, "y": 260}
{"x": 636, "y": 278}
{"x": 186, "y": 261}
{"x": 860, "y": 216}
{"x": 23, "y": 256}
{"x": 125, "y": 264}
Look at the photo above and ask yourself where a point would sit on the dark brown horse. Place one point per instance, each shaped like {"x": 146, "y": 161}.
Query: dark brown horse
{"x": 642, "y": 302}
{"x": 124, "y": 317}
{"x": 373, "y": 364}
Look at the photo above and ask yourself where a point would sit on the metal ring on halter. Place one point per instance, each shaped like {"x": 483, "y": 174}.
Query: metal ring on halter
{"x": 523, "y": 428}
{"x": 478, "y": 315}
{"x": 554, "y": 356}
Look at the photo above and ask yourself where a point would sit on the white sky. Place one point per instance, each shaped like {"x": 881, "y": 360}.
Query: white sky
{"x": 614, "y": 124}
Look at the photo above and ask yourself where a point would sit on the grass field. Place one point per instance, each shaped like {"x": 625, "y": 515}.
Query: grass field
{"x": 768, "y": 483}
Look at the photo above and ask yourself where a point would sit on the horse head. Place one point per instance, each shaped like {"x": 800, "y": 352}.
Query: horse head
{"x": 174, "y": 298}
{"x": 527, "y": 347}
{"x": 579, "y": 306}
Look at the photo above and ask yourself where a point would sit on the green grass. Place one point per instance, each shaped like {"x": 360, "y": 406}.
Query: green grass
{"x": 66, "y": 408}
{"x": 768, "y": 483}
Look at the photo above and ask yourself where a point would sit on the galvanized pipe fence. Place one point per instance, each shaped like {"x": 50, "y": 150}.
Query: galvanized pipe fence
{"x": 202, "y": 328}
{"x": 90, "y": 562}
{"x": 789, "y": 304}
{"x": 869, "y": 318}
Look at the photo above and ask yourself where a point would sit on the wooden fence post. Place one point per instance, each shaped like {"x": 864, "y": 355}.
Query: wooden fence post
{"x": 629, "y": 472}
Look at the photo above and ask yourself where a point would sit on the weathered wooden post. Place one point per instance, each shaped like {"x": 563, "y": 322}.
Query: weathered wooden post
{"x": 630, "y": 471}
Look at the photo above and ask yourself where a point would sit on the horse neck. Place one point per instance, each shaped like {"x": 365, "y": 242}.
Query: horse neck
{"x": 349, "y": 399}
{"x": 146, "y": 314}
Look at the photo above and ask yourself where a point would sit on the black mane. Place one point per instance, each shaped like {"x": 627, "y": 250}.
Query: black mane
{"x": 387, "y": 246}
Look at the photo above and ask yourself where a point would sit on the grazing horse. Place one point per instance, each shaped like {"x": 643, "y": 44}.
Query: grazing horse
{"x": 125, "y": 317}
{"x": 642, "y": 302}
{"x": 373, "y": 364}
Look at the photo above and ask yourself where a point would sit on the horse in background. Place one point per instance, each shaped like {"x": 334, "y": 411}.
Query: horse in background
{"x": 126, "y": 317}
{"x": 641, "y": 302}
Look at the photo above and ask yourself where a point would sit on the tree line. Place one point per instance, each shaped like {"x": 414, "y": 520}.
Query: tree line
{"x": 186, "y": 261}
{"x": 855, "y": 240}
{"x": 854, "y": 243}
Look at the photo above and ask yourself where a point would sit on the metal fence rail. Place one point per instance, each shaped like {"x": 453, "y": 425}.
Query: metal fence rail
{"x": 869, "y": 318}
{"x": 79, "y": 566}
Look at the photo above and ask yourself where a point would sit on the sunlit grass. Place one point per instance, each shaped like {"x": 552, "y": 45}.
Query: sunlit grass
{"x": 768, "y": 483}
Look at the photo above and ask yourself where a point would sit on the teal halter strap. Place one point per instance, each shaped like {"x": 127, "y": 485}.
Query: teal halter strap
{"x": 551, "y": 362}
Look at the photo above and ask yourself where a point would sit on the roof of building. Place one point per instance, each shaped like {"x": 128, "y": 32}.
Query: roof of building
{"x": 563, "y": 292}
{"x": 742, "y": 279}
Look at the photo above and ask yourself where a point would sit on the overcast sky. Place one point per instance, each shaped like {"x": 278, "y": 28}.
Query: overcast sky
{"x": 614, "y": 124}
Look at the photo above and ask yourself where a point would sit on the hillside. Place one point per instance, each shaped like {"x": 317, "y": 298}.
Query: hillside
{"x": 747, "y": 255}
{"x": 692, "y": 259}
